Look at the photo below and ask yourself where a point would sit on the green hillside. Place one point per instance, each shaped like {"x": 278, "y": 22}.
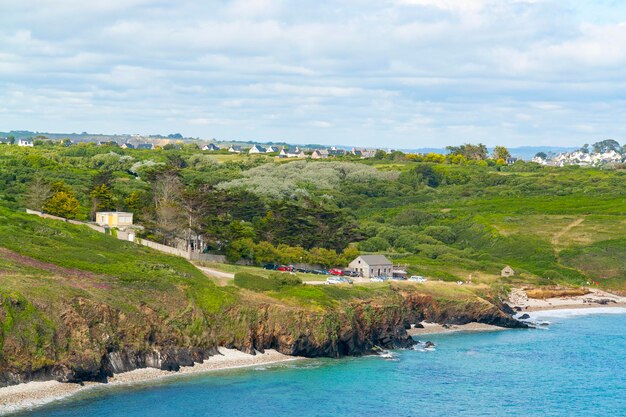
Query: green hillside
{"x": 447, "y": 218}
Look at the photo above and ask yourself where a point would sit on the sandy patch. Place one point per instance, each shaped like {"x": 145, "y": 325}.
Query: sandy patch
{"x": 434, "y": 328}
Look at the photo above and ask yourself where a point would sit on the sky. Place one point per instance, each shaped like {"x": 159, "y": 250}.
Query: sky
{"x": 379, "y": 73}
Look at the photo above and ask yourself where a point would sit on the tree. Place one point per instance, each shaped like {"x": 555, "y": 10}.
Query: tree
{"x": 380, "y": 154}
{"x": 62, "y": 203}
{"x": 132, "y": 203}
{"x": 501, "y": 152}
{"x": 101, "y": 199}
{"x": 541, "y": 155}
{"x": 421, "y": 174}
{"x": 38, "y": 193}
{"x": 469, "y": 151}
{"x": 167, "y": 197}
{"x": 606, "y": 146}
{"x": 11, "y": 139}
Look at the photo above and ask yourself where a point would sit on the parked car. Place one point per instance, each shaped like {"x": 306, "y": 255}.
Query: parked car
{"x": 335, "y": 271}
{"x": 398, "y": 278}
{"x": 338, "y": 280}
{"x": 417, "y": 278}
{"x": 285, "y": 268}
{"x": 351, "y": 273}
{"x": 378, "y": 279}
{"x": 272, "y": 267}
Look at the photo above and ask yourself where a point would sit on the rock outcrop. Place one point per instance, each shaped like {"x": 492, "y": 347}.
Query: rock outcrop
{"x": 92, "y": 341}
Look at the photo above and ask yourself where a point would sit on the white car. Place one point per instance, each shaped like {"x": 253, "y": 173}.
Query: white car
{"x": 338, "y": 280}
{"x": 417, "y": 278}
{"x": 378, "y": 279}
{"x": 398, "y": 279}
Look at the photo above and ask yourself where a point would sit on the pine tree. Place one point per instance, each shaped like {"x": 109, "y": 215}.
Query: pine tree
{"x": 102, "y": 199}
{"x": 62, "y": 204}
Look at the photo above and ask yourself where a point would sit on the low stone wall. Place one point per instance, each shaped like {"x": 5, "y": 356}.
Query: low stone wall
{"x": 130, "y": 236}
{"x": 194, "y": 256}
{"x": 163, "y": 248}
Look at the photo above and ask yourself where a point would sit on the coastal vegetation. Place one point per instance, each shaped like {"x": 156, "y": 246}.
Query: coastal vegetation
{"x": 72, "y": 297}
{"x": 443, "y": 216}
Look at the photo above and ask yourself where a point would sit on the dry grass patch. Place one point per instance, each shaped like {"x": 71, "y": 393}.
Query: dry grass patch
{"x": 543, "y": 293}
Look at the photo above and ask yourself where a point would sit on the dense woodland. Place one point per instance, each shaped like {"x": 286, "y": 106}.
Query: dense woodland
{"x": 445, "y": 216}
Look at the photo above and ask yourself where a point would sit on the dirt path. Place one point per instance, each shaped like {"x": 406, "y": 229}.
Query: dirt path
{"x": 221, "y": 277}
{"x": 561, "y": 233}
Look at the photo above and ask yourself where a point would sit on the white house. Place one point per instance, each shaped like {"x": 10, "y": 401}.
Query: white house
{"x": 25, "y": 142}
{"x": 114, "y": 218}
{"x": 235, "y": 149}
{"x": 257, "y": 149}
{"x": 288, "y": 153}
{"x": 369, "y": 266}
{"x": 272, "y": 149}
{"x": 210, "y": 147}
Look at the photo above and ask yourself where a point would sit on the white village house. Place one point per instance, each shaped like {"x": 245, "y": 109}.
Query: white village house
{"x": 257, "y": 149}
{"x": 25, "y": 142}
{"x": 369, "y": 266}
{"x": 210, "y": 147}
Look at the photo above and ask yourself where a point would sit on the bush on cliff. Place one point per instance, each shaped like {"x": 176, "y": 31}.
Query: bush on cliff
{"x": 275, "y": 282}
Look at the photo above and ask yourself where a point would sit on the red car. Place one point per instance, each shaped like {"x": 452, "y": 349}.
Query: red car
{"x": 284, "y": 268}
{"x": 336, "y": 271}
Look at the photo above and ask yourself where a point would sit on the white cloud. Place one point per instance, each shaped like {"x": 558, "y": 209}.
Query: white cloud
{"x": 443, "y": 71}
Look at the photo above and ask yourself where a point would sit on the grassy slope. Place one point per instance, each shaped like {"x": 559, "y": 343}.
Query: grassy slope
{"x": 552, "y": 226}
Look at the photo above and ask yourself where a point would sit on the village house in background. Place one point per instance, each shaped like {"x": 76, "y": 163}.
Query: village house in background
{"x": 210, "y": 147}
{"x": 289, "y": 153}
{"x": 257, "y": 149}
{"x": 370, "y": 266}
{"x": 235, "y": 149}
{"x": 25, "y": 142}
{"x": 114, "y": 219}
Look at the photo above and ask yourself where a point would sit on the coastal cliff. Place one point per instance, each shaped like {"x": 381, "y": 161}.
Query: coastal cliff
{"x": 84, "y": 340}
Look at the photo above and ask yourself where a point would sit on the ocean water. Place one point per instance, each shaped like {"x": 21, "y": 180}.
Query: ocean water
{"x": 575, "y": 367}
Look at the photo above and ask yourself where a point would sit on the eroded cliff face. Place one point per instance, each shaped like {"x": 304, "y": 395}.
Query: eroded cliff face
{"x": 87, "y": 341}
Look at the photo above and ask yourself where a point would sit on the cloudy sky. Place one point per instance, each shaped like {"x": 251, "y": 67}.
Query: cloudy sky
{"x": 393, "y": 73}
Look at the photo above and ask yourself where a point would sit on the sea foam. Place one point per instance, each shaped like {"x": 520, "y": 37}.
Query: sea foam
{"x": 575, "y": 312}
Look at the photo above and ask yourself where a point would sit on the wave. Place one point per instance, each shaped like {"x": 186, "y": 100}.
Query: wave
{"x": 574, "y": 312}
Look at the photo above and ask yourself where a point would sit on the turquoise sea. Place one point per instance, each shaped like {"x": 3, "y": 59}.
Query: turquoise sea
{"x": 575, "y": 367}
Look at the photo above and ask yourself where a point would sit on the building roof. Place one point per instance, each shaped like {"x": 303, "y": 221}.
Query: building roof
{"x": 375, "y": 259}
{"x": 259, "y": 148}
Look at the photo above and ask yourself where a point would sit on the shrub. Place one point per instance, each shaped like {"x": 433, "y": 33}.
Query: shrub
{"x": 441, "y": 233}
{"x": 412, "y": 217}
{"x": 374, "y": 244}
{"x": 275, "y": 282}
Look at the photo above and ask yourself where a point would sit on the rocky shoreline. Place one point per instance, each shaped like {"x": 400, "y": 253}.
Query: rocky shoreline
{"x": 264, "y": 334}
{"x": 520, "y": 302}
{"x": 37, "y": 393}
